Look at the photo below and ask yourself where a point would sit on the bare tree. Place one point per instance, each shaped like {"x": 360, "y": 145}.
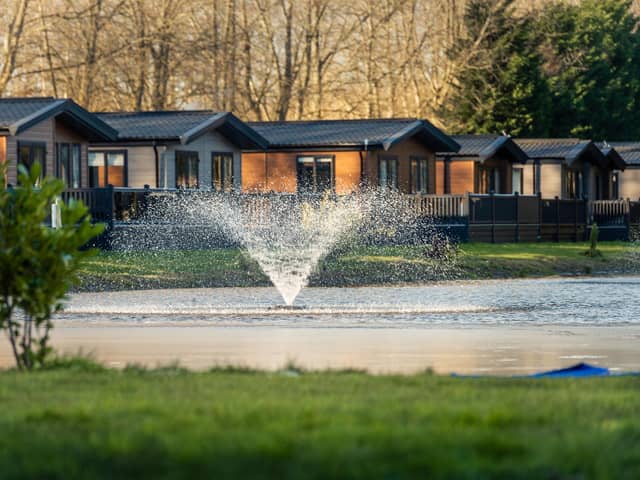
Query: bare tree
{"x": 11, "y": 41}
{"x": 262, "y": 59}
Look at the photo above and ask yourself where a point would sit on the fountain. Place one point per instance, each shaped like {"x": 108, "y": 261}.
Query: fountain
{"x": 287, "y": 235}
{"x": 290, "y": 236}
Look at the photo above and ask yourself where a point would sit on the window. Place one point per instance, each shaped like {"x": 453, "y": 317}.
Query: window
{"x": 572, "y": 183}
{"x": 222, "y": 171}
{"x": 68, "y": 163}
{"x": 517, "y": 182}
{"x": 419, "y": 175}
{"x": 388, "y": 172}
{"x": 186, "y": 169}
{"x": 487, "y": 179}
{"x": 107, "y": 168}
{"x": 615, "y": 186}
{"x": 30, "y": 153}
{"x": 315, "y": 174}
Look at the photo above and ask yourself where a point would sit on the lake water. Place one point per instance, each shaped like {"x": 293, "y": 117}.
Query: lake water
{"x": 498, "y": 327}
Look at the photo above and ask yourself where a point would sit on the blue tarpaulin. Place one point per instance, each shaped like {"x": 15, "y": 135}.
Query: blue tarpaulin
{"x": 579, "y": 370}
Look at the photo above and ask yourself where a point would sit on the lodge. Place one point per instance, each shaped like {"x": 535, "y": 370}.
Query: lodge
{"x": 343, "y": 155}
{"x": 110, "y": 159}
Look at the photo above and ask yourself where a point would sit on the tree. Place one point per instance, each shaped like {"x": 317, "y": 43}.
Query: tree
{"x": 592, "y": 57}
{"x": 38, "y": 264}
{"x": 12, "y": 37}
{"x": 501, "y": 87}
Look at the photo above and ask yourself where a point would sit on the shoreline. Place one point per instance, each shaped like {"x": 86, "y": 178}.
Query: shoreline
{"x": 371, "y": 266}
{"x": 417, "y": 283}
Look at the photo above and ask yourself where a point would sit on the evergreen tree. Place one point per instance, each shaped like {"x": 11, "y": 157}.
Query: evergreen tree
{"x": 501, "y": 85}
{"x": 592, "y": 58}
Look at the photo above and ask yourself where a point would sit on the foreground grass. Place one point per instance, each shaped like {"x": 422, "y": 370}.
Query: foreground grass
{"x": 357, "y": 266}
{"x": 225, "y": 424}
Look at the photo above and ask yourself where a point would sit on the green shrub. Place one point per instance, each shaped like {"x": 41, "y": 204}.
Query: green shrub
{"x": 38, "y": 264}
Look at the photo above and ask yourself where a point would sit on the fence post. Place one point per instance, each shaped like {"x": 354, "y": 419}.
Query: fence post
{"x": 493, "y": 217}
{"x": 145, "y": 201}
{"x": 585, "y": 202}
{"x": 557, "y": 219}
{"x": 539, "y": 195}
{"x": 110, "y": 209}
{"x": 575, "y": 219}
{"x": 627, "y": 219}
{"x": 516, "y": 197}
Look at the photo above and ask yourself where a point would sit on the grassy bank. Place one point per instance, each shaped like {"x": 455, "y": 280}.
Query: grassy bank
{"x": 360, "y": 266}
{"x": 224, "y": 424}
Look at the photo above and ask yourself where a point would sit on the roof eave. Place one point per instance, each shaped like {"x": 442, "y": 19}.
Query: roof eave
{"x": 79, "y": 114}
{"x": 325, "y": 147}
{"x": 438, "y": 141}
{"x": 578, "y": 150}
{"x": 36, "y": 117}
{"x": 221, "y": 119}
{"x": 200, "y": 129}
{"x": 616, "y": 159}
{"x": 506, "y": 143}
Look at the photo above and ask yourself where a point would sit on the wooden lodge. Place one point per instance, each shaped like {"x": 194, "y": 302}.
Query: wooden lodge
{"x": 493, "y": 187}
{"x": 54, "y": 133}
{"x": 628, "y": 181}
{"x": 173, "y": 149}
{"x": 483, "y": 164}
{"x": 342, "y": 155}
{"x": 571, "y": 168}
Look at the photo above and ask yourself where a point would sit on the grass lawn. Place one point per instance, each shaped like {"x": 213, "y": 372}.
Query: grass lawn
{"x": 357, "y": 266}
{"x": 224, "y": 424}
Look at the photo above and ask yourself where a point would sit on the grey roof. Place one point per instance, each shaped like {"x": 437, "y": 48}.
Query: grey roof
{"x": 182, "y": 126}
{"x": 19, "y": 114}
{"x": 155, "y": 125}
{"x": 486, "y": 146}
{"x": 629, "y": 151}
{"x": 12, "y": 110}
{"x": 378, "y": 133}
{"x": 552, "y": 148}
{"x": 566, "y": 149}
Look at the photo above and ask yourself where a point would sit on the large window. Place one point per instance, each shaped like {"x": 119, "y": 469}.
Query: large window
{"x": 108, "y": 168}
{"x": 388, "y": 172}
{"x": 419, "y": 175}
{"x": 68, "y": 163}
{"x": 487, "y": 179}
{"x": 573, "y": 186}
{"x": 315, "y": 174}
{"x": 222, "y": 171}
{"x": 517, "y": 181}
{"x": 30, "y": 153}
{"x": 186, "y": 169}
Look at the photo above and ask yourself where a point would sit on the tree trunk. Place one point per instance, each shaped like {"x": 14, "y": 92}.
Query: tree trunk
{"x": 12, "y": 38}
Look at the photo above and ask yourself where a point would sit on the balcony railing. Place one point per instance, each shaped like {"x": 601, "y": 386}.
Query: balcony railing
{"x": 441, "y": 206}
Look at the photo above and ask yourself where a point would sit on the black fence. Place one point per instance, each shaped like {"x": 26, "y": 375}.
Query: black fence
{"x": 520, "y": 218}
{"x": 504, "y": 218}
{"x": 482, "y": 218}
